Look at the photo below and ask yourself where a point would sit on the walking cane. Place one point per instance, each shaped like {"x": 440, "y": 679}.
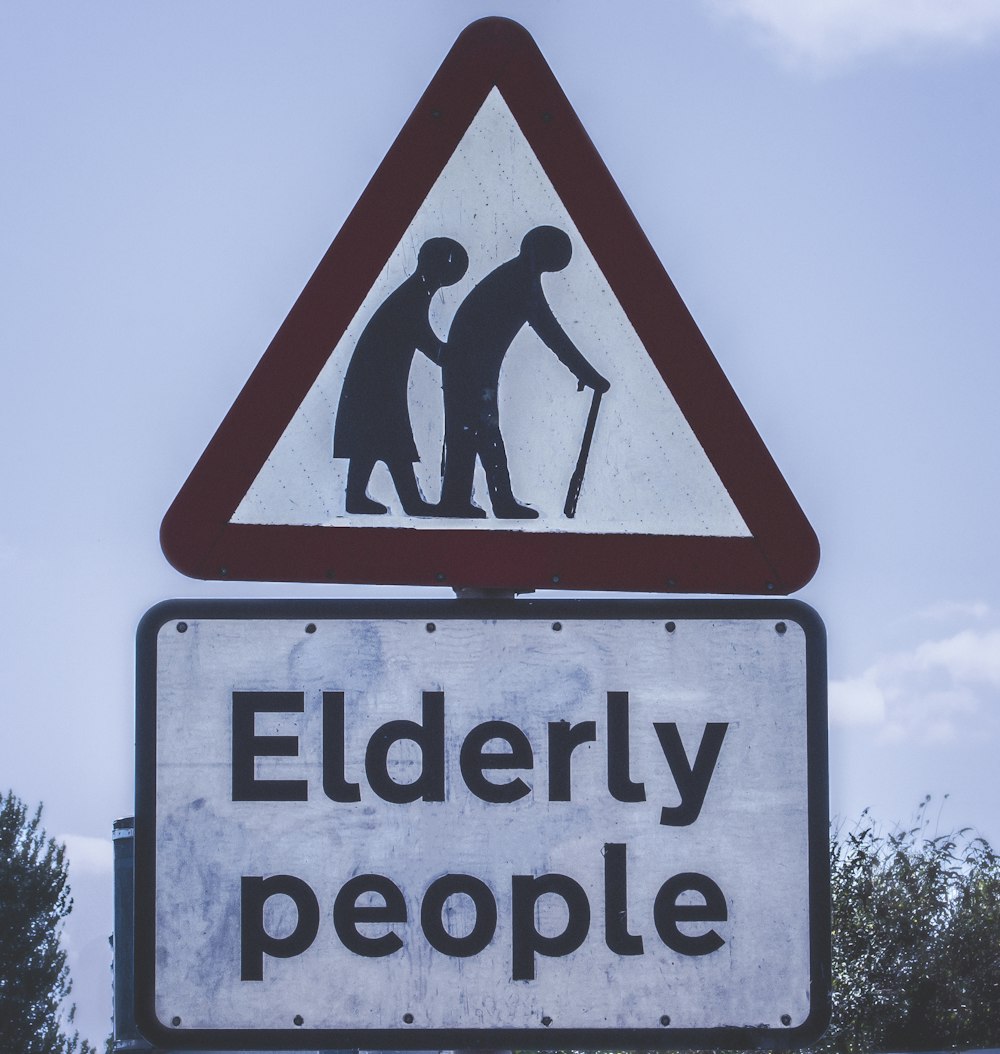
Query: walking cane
{"x": 573, "y": 494}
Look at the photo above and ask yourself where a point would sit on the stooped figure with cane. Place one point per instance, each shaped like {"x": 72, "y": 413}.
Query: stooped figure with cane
{"x": 481, "y": 333}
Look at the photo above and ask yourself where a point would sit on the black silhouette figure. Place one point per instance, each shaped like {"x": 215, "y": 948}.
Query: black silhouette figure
{"x": 373, "y": 418}
{"x": 481, "y": 333}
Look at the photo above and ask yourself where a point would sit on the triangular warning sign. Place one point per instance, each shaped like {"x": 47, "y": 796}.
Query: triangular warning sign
{"x": 490, "y": 381}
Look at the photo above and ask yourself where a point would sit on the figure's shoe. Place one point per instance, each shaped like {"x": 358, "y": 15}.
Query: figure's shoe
{"x": 366, "y": 506}
{"x": 512, "y": 510}
{"x": 459, "y": 511}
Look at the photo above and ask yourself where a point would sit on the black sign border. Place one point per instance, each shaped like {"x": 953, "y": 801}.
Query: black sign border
{"x": 413, "y": 1037}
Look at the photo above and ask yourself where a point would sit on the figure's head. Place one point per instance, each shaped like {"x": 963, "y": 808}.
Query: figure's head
{"x": 547, "y": 249}
{"x": 442, "y": 261}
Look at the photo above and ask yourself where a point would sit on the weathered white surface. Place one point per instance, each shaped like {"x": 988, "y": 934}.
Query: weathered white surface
{"x": 750, "y": 839}
{"x": 647, "y": 472}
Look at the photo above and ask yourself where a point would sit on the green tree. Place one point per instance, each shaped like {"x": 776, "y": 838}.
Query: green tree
{"x": 916, "y": 939}
{"x": 34, "y": 900}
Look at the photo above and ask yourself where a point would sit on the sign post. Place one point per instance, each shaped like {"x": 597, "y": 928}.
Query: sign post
{"x": 472, "y": 823}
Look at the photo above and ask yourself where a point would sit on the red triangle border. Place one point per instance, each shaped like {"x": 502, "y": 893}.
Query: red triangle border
{"x": 197, "y": 536}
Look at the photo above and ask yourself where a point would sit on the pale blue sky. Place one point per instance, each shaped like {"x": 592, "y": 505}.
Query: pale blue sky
{"x": 819, "y": 183}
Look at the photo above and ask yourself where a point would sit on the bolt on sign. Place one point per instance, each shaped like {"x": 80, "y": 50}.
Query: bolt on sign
{"x": 490, "y": 381}
{"x": 520, "y": 824}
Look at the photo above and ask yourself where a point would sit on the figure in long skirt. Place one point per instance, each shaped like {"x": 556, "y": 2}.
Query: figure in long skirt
{"x": 373, "y": 417}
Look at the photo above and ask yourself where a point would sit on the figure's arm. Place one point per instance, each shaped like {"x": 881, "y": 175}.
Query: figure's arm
{"x": 546, "y": 325}
{"x": 428, "y": 342}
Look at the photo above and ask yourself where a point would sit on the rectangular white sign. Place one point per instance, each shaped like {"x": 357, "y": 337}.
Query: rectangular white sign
{"x": 508, "y": 823}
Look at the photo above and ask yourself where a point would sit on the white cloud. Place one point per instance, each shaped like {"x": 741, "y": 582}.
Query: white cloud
{"x": 858, "y": 701}
{"x": 87, "y": 855}
{"x": 953, "y": 610}
{"x": 933, "y": 692}
{"x": 827, "y": 33}
{"x": 970, "y": 656}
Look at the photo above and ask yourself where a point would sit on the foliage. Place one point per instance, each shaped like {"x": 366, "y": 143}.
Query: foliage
{"x": 34, "y": 899}
{"x": 916, "y": 939}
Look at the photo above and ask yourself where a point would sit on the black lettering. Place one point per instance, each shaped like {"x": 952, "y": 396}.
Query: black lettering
{"x": 526, "y": 941}
{"x": 432, "y": 909}
{"x": 475, "y": 760}
{"x": 563, "y": 740}
{"x": 347, "y": 913}
{"x": 335, "y": 784}
{"x": 619, "y": 781}
{"x": 616, "y": 934}
{"x": 692, "y": 780}
{"x": 247, "y": 747}
{"x": 255, "y": 941}
{"x": 667, "y": 913}
{"x": 429, "y": 736}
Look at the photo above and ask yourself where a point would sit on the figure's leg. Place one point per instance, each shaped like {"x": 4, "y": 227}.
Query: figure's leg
{"x": 405, "y": 480}
{"x": 459, "y": 469}
{"x": 359, "y": 472}
{"x": 493, "y": 455}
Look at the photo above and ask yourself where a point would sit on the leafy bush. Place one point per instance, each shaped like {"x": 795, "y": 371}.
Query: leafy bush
{"x": 916, "y": 939}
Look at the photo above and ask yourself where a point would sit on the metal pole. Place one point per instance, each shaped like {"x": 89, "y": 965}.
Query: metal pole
{"x": 126, "y": 1036}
